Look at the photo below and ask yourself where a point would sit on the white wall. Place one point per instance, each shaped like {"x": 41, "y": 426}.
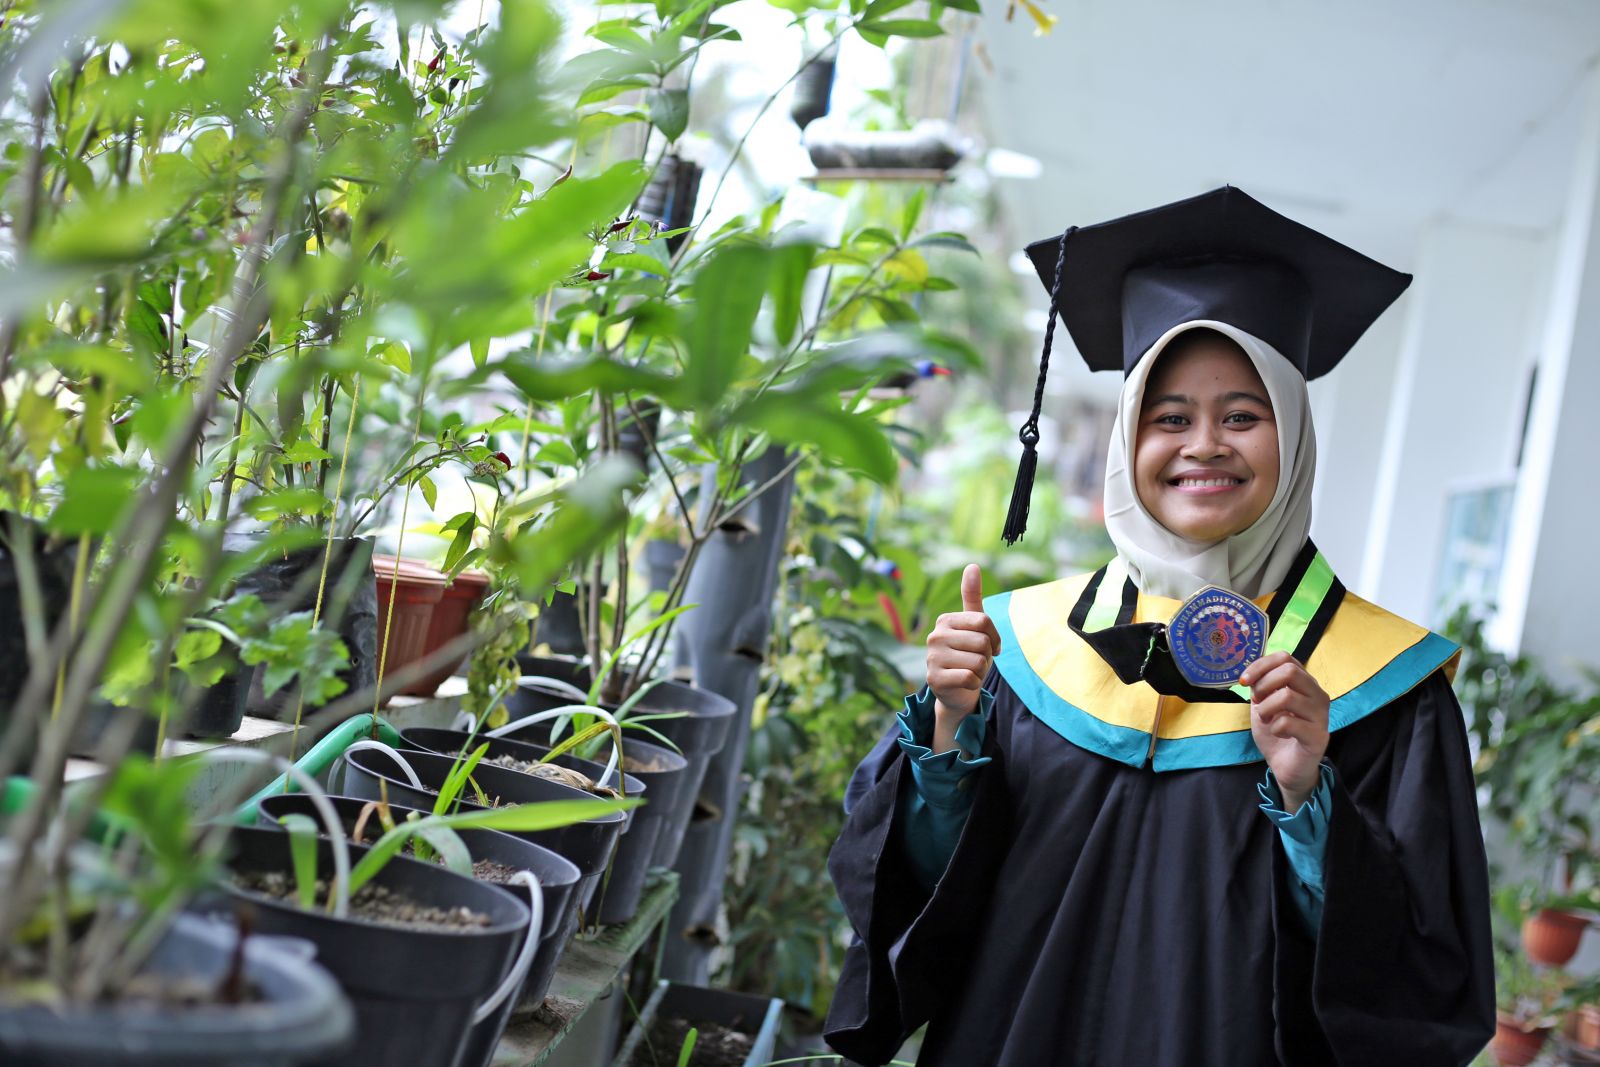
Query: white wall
{"x": 1456, "y": 401}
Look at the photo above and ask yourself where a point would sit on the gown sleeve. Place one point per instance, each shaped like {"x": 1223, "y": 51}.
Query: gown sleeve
{"x": 1400, "y": 970}
{"x": 905, "y": 934}
{"x": 1305, "y": 842}
{"x": 940, "y": 784}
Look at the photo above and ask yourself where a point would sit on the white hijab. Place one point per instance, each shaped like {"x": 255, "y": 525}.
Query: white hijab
{"x": 1252, "y": 562}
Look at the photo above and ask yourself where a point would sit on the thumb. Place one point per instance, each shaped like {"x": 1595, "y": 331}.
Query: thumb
{"x": 972, "y": 588}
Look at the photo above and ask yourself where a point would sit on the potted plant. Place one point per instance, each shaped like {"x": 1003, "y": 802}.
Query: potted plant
{"x": 1527, "y": 1000}
{"x": 690, "y": 1025}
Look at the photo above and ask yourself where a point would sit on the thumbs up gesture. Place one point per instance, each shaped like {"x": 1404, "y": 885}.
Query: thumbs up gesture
{"x": 961, "y": 649}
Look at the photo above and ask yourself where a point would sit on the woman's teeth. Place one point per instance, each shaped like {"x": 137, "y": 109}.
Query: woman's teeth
{"x": 1198, "y": 483}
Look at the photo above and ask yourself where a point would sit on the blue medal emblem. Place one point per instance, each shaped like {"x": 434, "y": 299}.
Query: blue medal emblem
{"x": 1215, "y": 635}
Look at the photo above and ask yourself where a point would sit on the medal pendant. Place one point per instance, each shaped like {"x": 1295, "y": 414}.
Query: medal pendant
{"x": 1215, "y": 635}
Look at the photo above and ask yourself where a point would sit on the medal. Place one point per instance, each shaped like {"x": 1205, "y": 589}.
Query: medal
{"x": 1215, "y": 635}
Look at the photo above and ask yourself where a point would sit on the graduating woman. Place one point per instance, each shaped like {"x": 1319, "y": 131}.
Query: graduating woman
{"x": 1203, "y": 806}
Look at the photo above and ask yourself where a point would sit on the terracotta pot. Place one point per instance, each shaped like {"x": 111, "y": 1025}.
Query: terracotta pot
{"x": 414, "y": 590}
{"x": 1513, "y": 1046}
{"x": 1551, "y": 937}
{"x": 1586, "y": 1026}
{"x": 450, "y": 617}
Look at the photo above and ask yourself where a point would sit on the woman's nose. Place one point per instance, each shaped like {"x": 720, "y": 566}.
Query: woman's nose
{"x": 1204, "y": 443}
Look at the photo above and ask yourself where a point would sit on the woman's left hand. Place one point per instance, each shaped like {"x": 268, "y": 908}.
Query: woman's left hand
{"x": 1289, "y": 721}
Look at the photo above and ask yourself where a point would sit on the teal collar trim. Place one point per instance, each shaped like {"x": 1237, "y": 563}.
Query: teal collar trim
{"x": 1120, "y": 743}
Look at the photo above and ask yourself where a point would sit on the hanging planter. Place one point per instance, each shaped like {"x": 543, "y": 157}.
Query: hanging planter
{"x": 931, "y": 145}
{"x": 813, "y": 88}
{"x": 670, "y": 197}
{"x": 1551, "y": 936}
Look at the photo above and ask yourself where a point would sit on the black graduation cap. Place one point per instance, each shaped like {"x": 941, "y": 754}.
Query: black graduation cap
{"x": 1223, "y": 255}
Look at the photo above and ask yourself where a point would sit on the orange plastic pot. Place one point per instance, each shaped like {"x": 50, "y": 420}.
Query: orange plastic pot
{"x": 1513, "y": 1046}
{"x": 450, "y": 617}
{"x": 413, "y": 593}
{"x": 1551, "y": 937}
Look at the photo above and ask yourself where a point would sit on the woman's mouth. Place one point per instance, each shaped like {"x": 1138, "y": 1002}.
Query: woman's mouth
{"x": 1214, "y": 484}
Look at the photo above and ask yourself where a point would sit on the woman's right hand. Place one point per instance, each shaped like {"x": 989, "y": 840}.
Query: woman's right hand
{"x": 961, "y": 649}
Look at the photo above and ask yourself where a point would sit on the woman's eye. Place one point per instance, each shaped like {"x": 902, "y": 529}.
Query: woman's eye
{"x": 1241, "y": 418}
{"x": 1171, "y": 419}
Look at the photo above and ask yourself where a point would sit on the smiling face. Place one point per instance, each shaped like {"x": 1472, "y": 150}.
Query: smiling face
{"x": 1205, "y": 458}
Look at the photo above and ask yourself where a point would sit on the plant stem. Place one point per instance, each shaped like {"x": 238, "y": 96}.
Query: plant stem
{"x": 110, "y": 603}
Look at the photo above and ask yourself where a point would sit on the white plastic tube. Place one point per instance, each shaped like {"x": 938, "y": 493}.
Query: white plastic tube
{"x": 379, "y": 746}
{"x": 319, "y": 801}
{"x": 571, "y": 709}
{"x": 530, "y": 947}
{"x": 564, "y": 688}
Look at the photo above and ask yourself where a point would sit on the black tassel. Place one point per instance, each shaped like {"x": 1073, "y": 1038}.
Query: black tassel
{"x": 1022, "y": 491}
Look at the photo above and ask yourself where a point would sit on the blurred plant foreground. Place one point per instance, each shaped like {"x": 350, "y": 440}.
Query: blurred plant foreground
{"x": 276, "y": 275}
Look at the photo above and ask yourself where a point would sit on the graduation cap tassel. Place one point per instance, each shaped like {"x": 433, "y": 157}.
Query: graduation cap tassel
{"x": 1022, "y": 491}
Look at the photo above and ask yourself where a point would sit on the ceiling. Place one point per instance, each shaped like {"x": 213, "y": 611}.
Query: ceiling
{"x": 1366, "y": 119}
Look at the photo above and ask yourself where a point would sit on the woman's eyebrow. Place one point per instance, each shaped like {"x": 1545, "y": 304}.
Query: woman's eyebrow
{"x": 1172, "y": 398}
{"x": 1228, "y": 398}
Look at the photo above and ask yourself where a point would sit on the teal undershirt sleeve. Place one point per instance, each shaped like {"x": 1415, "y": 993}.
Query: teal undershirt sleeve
{"x": 937, "y": 795}
{"x": 1305, "y": 842}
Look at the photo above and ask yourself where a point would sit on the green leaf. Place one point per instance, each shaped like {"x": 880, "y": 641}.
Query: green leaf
{"x": 92, "y": 499}
{"x": 669, "y": 112}
{"x": 791, "y": 265}
{"x": 687, "y": 1050}
{"x": 726, "y": 295}
{"x": 644, "y": 631}
{"x": 529, "y": 818}
{"x": 480, "y": 351}
{"x": 302, "y": 831}
{"x": 854, "y": 441}
{"x": 305, "y": 450}
{"x": 461, "y": 543}
{"x": 944, "y": 239}
{"x": 879, "y": 8}
{"x": 460, "y": 773}
{"x": 903, "y": 28}
{"x": 430, "y": 492}
{"x": 395, "y": 355}
{"x": 451, "y": 849}
{"x": 195, "y": 654}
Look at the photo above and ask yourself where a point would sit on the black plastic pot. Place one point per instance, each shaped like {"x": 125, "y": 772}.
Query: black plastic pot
{"x": 558, "y": 877}
{"x": 589, "y": 845}
{"x": 559, "y": 626}
{"x": 100, "y": 716}
{"x": 414, "y": 991}
{"x": 625, "y": 884}
{"x": 699, "y": 735}
{"x": 300, "y": 1013}
{"x": 220, "y": 711}
{"x": 350, "y": 603}
{"x": 760, "y": 1017}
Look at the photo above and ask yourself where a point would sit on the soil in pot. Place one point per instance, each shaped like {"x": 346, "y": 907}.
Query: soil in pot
{"x": 374, "y": 903}
{"x": 551, "y": 772}
{"x": 714, "y": 1045}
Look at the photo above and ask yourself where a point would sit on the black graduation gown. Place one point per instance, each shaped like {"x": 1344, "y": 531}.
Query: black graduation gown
{"x": 1099, "y": 913}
